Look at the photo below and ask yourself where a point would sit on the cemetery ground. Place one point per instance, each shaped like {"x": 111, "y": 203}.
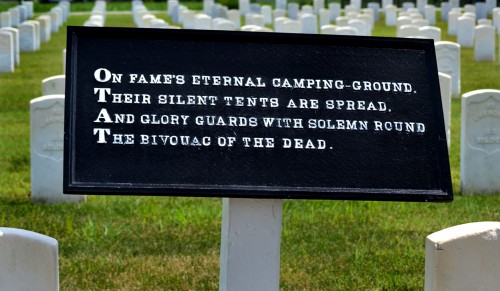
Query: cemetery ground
{"x": 151, "y": 243}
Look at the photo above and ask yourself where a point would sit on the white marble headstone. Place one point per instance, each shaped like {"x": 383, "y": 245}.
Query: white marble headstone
{"x": 431, "y": 32}
{"x": 281, "y": 4}
{"x": 27, "y": 37}
{"x": 5, "y": 19}
{"x": 47, "y": 144}
{"x": 6, "y": 52}
{"x": 420, "y": 22}
{"x": 279, "y": 13}
{"x": 29, "y": 8}
{"x": 223, "y": 24}
{"x": 279, "y": 23}
{"x": 65, "y": 6}
{"x": 291, "y": 26}
{"x": 53, "y": 85}
{"x": 390, "y": 15}
{"x": 359, "y": 25}
{"x": 324, "y": 17}
{"x": 470, "y": 15}
{"x": 335, "y": 10}
{"x": 258, "y": 19}
{"x": 448, "y": 61}
{"x": 28, "y": 260}
{"x": 484, "y": 43}
{"x": 445, "y": 89}
{"x": 408, "y": 30}
{"x": 385, "y": 3}
{"x": 244, "y": 6}
{"x": 37, "y": 32}
{"x": 23, "y": 14}
{"x": 293, "y": 11}
{"x": 403, "y": 20}
{"x": 369, "y": 23}
{"x": 455, "y": 3}
{"x": 234, "y": 16}
{"x": 267, "y": 12}
{"x": 453, "y": 16}
{"x": 481, "y": 10}
{"x": 408, "y": 5}
{"x": 328, "y": 29}
{"x": 480, "y": 142}
{"x": 45, "y": 28}
{"x": 64, "y": 60}
{"x": 15, "y": 38}
{"x": 14, "y": 16}
{"x": 496, "y": 18}
{"x": 445, "y": 9}
{"x": 465, "y": 31}
{"x": 463, "y": 257}
{"x": 346, "y": 30}
{"x": 470, "y": 8}
{"x": 430, "y": 14}
{"x": 309, "y": 23}
{"x": 318, "y": 4}
{"x": 60, "y": 14}
{"x": 375, "y": 6}
{"x": 202, "y": 21}
{"x": 342, "y": 21}
{"x": 307, "y": 9}
{"x": 54, "y": 15}
{"x": 484, "y": 21}
{"x": 421, "y": 5}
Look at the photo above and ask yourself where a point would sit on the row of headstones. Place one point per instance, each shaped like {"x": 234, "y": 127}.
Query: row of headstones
{"x": 292, "y": 10}
{"x": 256, "y": 16}
{"x": 481, "y": 9}
{"x": 471, "y": 26}
{"x": 462, "y": 257}
{"x": 218, "y": 17}
{"x": 463, "y": 25}
{"x": 480, "y": 125}
{"x": 145, "y": 19}
{"x": 481, "y": 36}
{"x": 97, "y": 15}
{"x": 16, "y": 15}
{"x": 393, "y": 14}
{"x": 297, "y": 19}
{"x": 412, "y": 23}
{"x": 29, "y": 35}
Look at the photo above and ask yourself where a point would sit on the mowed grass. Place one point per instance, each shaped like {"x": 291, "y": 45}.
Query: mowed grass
{"x": 172, "y": 243}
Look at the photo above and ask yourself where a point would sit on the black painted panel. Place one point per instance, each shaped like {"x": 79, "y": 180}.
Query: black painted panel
{"x": 284, "y": 115}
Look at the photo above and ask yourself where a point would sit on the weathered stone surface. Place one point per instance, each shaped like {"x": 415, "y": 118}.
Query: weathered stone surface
{"x": 28, "y": 260}
{"x": 463, "y": 257}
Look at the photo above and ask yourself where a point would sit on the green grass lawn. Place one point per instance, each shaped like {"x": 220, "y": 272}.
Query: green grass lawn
{"x": 172, "y": 243}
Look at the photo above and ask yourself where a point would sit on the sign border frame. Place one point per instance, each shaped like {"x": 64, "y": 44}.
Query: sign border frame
{"x": 70, "y": 186}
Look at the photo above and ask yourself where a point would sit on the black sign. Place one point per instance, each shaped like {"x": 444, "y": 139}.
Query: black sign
{"x": 265, "y": 115}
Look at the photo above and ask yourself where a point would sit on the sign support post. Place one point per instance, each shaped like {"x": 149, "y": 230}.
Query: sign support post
{"x": 250, "y": 244}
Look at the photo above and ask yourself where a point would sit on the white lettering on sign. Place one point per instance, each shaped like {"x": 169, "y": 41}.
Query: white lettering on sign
{"x": 179, "y": 110}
